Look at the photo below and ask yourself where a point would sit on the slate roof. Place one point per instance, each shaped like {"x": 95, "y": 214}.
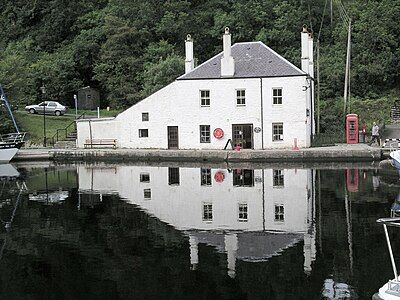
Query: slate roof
{"x": 252, "y": 59}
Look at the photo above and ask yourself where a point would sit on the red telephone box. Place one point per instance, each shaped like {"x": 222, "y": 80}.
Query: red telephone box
{"x": 352, "y": 129}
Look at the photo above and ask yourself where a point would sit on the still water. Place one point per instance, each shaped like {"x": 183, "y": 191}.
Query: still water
{"x": 150, "y": 232}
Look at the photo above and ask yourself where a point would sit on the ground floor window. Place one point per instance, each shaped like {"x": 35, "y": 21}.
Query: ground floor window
{"x": 279, "y": 179}
{"x": 279, "y": 213}
{"x": 144, "y": 177}
{"x": 277, "y": 132}
{"x": 243, "y": 212}
{"x": 173, "y": 176}
{"x": 243, "y": 177}
{"x": 205, "y": 176}
{"x": 143, "y": 133}
{"x": 205, "y": 134}
{"x": 207, "y": 212}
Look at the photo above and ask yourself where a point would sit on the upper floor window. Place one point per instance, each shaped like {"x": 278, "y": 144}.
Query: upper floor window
{"x": 277, "y": 131}
{"x": 205, "y": 98}
{"x": 143, "y": 133}
{"x": 205, "y": 134}
{"x": 279, "y": 213}
{"x": 240, "y": 97}
{"x": 145, "y": 116}
{"x": 205, "y": 176}
{"x": 277, "y": 95}
{"x": 147, "y": 193}
{"x": 207, "y": 212}
{"x": 278, "y": 178}
{"x": 243, "y": 212}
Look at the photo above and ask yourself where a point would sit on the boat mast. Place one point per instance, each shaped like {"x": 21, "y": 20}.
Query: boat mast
{"x": 4, "y": 99}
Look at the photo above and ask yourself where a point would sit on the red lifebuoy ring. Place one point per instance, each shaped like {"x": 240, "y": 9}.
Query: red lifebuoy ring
{"x": 219, "y": 176}
{"x": 218, "y": 133}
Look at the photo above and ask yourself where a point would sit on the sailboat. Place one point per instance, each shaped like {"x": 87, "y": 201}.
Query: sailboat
{"x": 10, "y": 143}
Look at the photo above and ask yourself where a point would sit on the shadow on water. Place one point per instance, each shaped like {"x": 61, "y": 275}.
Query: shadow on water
{"x": 172, "y": 231}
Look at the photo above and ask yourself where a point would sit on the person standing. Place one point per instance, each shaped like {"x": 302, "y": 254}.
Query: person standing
{"x": 375, "y": 134}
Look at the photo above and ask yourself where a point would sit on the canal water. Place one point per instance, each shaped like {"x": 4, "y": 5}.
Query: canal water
{"x": 194, "y": 232}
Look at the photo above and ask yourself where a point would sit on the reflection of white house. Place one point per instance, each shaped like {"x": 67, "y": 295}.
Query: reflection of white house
{"x": 250, "y": 214}
{"x": 248, "y": 93}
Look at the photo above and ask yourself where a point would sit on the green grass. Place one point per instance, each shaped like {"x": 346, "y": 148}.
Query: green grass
{"x": 33, "y": 124}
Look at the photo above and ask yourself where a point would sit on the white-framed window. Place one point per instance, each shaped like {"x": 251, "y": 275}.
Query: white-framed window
{"x": 145, "y": 116}
{"x": 144, "y": 177}
{"x": 277, "y": 132}
{"x": 279, "y": 179}
{"x": 277, "y": 95}
{"x": 143, "y": 133}
{"x": 205, "y": 176}
{"x": 279, "y": 213}
{"x": 207, "y": 212}
{"x": 241, "y": 97}
{"x": 205, "y": 134}
{"x": 205, "y": 97}
{"x": 243, "y": 216}
{"x": 147, "y": 194}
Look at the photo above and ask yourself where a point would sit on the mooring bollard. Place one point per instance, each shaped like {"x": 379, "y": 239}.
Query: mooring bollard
{"x": 295, "y": 147}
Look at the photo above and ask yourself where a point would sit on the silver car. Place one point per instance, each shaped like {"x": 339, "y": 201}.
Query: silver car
{"x": 47, "y": 107}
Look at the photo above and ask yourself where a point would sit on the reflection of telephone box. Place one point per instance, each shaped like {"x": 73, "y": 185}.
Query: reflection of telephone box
{"x": 352, "y": 180}
{"x": 352, "y": 129}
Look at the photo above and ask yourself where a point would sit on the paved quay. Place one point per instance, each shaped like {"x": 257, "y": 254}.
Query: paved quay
{"x": 338, "y": 153}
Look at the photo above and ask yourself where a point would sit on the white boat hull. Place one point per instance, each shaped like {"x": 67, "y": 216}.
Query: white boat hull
{"x": 7, "y": 154}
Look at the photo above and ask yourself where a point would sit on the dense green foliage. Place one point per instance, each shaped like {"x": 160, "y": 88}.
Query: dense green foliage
{"x": 128, "y": 49}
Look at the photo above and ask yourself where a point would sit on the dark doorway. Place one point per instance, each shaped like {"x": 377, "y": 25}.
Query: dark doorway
{"x": 173, "y": 140}
{"x": 243, "y": 135}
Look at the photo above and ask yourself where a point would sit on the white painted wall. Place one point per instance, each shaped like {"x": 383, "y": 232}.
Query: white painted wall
{"x": 178, "y": 104}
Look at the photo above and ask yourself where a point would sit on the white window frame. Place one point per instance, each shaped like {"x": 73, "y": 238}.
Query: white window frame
{"x": 279, "y": 213}
{"x": 208, "y": 178}
{"x": 141, "y": 131}
{"x": 205, "y": 134}
{"x": 205, "y": 100}
{"x": 207, "y": 212}
{"x": 243, "y": 212}
{"x": 277, "y": 137}
{"x": 278, "y": 178}
{"x": 277, "y": 98}
{"x": 240, "y": 98}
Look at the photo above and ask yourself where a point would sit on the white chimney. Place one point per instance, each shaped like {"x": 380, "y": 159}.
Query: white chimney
{"x": 304, "y": 50}
{"x": 227, "y": 61}
{"x": 311, "y": 54}
{"x": 189, "y": 61}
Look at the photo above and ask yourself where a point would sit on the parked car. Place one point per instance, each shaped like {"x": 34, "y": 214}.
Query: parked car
{"x": 48, "y": 107}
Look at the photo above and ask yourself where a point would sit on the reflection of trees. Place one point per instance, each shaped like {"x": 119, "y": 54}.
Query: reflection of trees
{"x": 111, "y": 250}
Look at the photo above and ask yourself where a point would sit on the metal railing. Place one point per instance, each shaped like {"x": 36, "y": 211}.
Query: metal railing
{"x": 16, "y": 137}
{"x": 62, "y": 133}
{"x": 393, "y": 285}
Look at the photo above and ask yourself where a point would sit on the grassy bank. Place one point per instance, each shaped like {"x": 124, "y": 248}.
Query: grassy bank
{"x": 33, "y": 124}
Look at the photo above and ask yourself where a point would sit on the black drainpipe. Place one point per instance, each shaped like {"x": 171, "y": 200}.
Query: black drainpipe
{"x": 262, "y": 115}
{"x": 312, "y": 110}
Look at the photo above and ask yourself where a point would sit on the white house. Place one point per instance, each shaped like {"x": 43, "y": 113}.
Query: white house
{"x": 251, "y": 215}
{"x": 248, "y": 94}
